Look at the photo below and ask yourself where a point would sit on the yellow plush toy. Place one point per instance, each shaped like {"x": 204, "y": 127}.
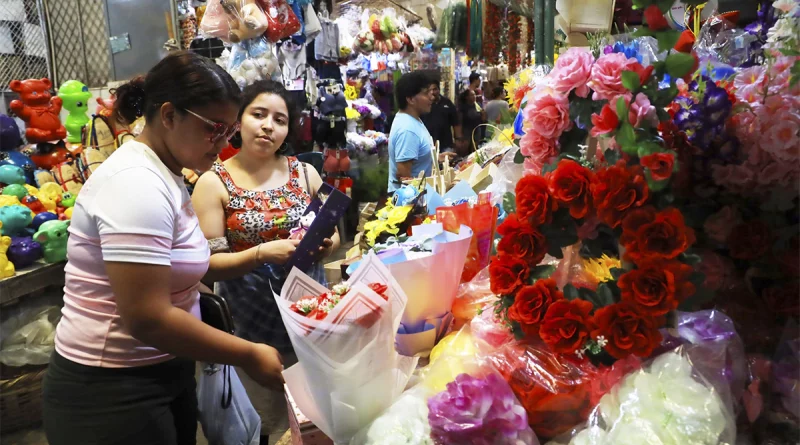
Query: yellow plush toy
{"x": 50, "y": 191}
{"x": 6, "y": 267}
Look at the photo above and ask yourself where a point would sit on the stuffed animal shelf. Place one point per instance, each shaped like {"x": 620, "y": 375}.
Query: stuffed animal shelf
{"x": 39, "y": 109}
{"x": 52, "y": 235}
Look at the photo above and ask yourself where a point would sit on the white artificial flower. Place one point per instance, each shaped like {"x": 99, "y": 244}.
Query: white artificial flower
{"x": 785, "y": 6}
{"x": 404, "y": 423}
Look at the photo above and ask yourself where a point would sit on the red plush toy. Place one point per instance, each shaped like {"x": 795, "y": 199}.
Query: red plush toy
{"x": 39, "y": 109}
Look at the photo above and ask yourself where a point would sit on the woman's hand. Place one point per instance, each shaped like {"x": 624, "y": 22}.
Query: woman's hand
{"x": 265, "y": 366}
{"x": 326, "y": 249}
{"x": 277, "y": 252}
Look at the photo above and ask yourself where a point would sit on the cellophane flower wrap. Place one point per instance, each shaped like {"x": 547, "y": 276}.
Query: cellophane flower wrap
{"x": 666, "y": 402}
{"x": 348, "y": 371}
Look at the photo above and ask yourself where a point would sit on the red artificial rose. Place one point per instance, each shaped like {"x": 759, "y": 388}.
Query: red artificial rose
{"x": 570, "y": 184}
{"x": 649, "y": 234}
{"x": 627, "y": 330}
{"x": 783, "y": 300}
{"x": 507, "y": 274}
{"x": 566, "y": 325}
{"x": 750, "y": 240}
{"x": 534, "y": 202}
{"x": 531, "y": 304}
{"x": 685, "y": 42}
{"x": 604, "y": 123}
{"x": 657, "y": 287}
{"x": 660, "y": 165}
{"x": 643, "y": 72}
{"x": 521, "y": 240}
{"x": 616, "y": 190}
{"x": 655, "y": 18}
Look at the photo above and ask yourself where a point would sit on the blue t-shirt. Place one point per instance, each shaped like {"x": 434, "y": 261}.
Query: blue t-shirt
{"x": 409, "y": 140}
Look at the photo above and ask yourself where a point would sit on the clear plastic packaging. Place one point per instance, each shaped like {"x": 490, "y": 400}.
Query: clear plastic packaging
{"x": 29, "y": 337}
{"x": 250, "y": 61}
{"x": 722, "y": 42}
{"x": 226, "y": 420}
{"x": 234, "y": 21}
{"x": 666, "y": 402}
{"x": 472, "y": 296}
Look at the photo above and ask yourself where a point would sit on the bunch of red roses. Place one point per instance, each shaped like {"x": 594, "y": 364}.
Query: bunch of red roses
{"x": 622, "y": 316}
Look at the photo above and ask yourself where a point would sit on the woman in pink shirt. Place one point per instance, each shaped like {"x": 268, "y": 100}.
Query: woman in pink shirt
{"x": 123, "y": 369}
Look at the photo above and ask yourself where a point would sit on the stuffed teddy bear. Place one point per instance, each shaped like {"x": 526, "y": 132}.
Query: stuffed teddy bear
{"x": 39, "y": 109}
{"x": 247, "y": 19}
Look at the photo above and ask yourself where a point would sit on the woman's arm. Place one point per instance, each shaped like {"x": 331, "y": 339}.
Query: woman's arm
{"x": 314, "y": 183}
{"x": 208, "y": 201}
{"x": 142, "y": 296}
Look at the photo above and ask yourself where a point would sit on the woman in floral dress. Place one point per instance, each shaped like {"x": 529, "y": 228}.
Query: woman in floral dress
{"x": 247, "y": 207}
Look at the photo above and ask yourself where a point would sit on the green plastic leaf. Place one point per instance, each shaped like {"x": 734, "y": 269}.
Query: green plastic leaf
{"x": 665, "y": 5}
{"x": 509, "y": 203}
{"x": 550, "y": 167}
{"x": 626, "y": 138}
{"x": 544, "y": 271}
{"x": 605, "y": 296}
{"x": 667, "y": 39}
{"x": 643, "y": 32}
{"x": 519, "y": 158}
{"x": 679, "y": 64}
{"x": 790, "y": 52}
{"x": 570, "y": 292}
{"x": 630, "y": 80}
{"x": 611, "y": 156}
{"x": 663, "y": 115}
{"x": 616, "y": 272}
{"x": 622, "y": 110}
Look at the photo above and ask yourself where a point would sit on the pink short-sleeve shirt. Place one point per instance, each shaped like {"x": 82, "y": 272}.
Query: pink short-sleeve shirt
{"x": 132, "y": 209}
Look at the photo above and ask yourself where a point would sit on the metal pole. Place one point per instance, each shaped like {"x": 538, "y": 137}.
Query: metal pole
{"x": 549, "y": 30}
{"x": 538, "y": 35}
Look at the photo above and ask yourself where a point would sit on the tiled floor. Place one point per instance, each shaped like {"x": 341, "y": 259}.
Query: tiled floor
{"x": 36, "y": 436}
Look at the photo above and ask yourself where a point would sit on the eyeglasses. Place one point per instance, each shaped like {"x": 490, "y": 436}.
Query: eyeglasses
{"x": 219, "y": 130}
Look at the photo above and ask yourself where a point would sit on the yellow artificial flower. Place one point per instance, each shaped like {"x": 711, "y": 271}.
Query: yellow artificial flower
{"x": 600, "y": 268}
{"x": 351, "y": 114}
{"x": 506, "y": 137}
{"x": 511, "y": 86}
{"x": 350, "y": 93}
{"x": 398, "y": 215}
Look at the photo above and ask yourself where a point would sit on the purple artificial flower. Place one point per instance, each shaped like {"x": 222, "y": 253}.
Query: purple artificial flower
{"x": 478, "y": 411}
{"x": 703, "y": 326}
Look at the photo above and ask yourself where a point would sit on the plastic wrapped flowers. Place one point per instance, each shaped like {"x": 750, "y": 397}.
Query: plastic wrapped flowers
{"x": 662, "y": 405}
{"x": 405, "y": 423}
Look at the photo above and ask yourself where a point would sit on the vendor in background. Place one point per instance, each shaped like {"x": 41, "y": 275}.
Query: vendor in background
{"x": 496, "y": 106}
{"x": 475, "y": 86}
{"x": 442, "y": 122}
{"x": 247, "y": 206}
{"x": 471, "y": 119}
{"x": 125, "y": 349}
{"x": 409, "y": 141}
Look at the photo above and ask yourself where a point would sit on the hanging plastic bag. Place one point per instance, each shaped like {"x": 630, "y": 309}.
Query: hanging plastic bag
{"x": 234, "y": 21}
{"x": 29, "y": 338}
{"x": 250, "y": 61}
{"x": 444, "y": 34}
{"x": 667, "y": 401}
{"x": 225, "y": 411}
{"x": 282, "y": 21}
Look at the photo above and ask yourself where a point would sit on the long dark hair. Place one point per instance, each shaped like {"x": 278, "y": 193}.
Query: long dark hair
{"x": 183, "y": 78}
{"x": 251, "y": 92}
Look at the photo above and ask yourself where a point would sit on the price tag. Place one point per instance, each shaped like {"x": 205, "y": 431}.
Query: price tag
{"x": 295, "y": 85}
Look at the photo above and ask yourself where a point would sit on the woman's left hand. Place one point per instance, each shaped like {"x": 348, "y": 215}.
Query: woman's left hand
{"x": 326, "y": 249}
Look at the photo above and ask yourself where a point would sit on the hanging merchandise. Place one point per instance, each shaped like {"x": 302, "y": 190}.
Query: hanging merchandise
{"x": 282, "y": 21}
{"x": 382, "y": 34}
{"x": 331, "y": 107}
{"x": 326, "y": 46}
{"x": 475, "y": 27}
{"x": 250, "y": 61}
{"x": 234, "y": 20}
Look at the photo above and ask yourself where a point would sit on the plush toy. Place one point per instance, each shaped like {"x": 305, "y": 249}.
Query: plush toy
{"x": 6, "y": 266}
{"x": 15, "y": 190}
{"x": 11, "y": 174}
{"x": 75, "y": 96}
{"x": 15, "y": 219}
{"x": 42, "y": 218}
{"x": 10, "y": 137}
{"x": 24, "y": 251}
{"x": 246, "y": 19}
{"x": 9, "y": 200}
{"x": 68, "y": 200}
{"x": 38, "y": 109}
{"x": 52, "y": 235}
{"x": 20, "y": 160}
{"x": 34, "y": 204}
{"x": 305, "y": 222}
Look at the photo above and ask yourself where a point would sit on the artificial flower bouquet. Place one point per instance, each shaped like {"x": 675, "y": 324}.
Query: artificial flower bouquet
{"x": 459, "y": 400}
{"x": 666, "y": 402}
{"x": 334, "y": 334}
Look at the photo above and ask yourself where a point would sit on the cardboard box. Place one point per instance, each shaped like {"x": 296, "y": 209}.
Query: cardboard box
{"x": 303, "y": 431}
{"x": 329, "y": 206}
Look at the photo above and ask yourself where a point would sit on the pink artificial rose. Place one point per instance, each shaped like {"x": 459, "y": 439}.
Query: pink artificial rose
{"x": 781, "y": 138}
{"x": 750, "y": 84}
{"x": 606, "y": 78}
{"x": 719, "y": 225}
{"x": 548, "y": 115}
{"x": 537, "y": 150}
{"x": 641, "y": 111}
{"x": 532, "y": 167}
{"x": 717, "y": 269}
{"x": 572, "y": 72}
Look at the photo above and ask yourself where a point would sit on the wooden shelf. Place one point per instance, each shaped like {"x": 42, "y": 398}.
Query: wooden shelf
{"x": 31, "y": 279}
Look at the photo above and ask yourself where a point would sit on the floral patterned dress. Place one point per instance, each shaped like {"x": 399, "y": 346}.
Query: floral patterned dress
{"x": 254, "y": 217}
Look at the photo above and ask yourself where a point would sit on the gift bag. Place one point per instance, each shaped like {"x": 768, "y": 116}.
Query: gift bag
{"x": 225, "y": 411}
{"x": 281, "y": 20}
{"x": 481, "y": 218}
